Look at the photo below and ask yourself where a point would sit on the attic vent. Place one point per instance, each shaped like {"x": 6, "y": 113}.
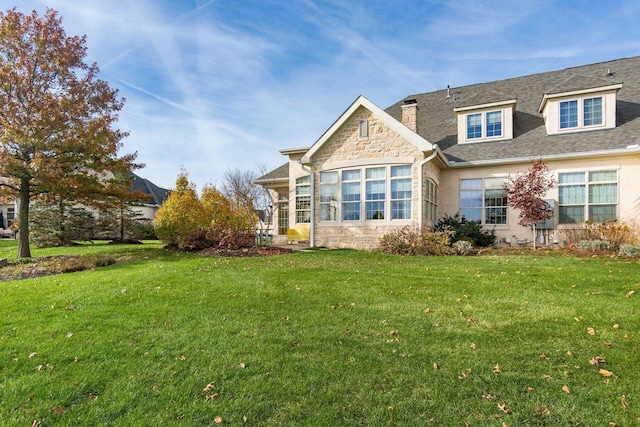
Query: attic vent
{"x": 410, "y": 101}
{"x": 609, "y": 73}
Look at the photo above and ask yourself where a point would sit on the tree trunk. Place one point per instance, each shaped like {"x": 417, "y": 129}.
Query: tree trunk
{"x": 122, "y": 222}
{"x": 23, "y": 216}
{"x": 534, "y": 236}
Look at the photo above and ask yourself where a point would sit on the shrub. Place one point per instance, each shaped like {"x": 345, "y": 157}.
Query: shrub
{"x": 614, "y": 232}
{"x": 408, "y": 241}
{"x": 219, "y": 236}
{"x": 466, "y": 230}
{"x": 595, "y": 245}
{"x": 462, "y": 247}
{"x": 629, "y": 250}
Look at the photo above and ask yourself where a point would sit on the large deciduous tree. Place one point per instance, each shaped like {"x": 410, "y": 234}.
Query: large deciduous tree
{"x": 525, "y": 191}
{"x": 56, "y": 116}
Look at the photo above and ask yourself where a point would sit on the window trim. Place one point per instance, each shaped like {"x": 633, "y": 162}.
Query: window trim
{"x": 302, "y": 182}
{"x": 484, "y": 207}
{"x": 387, "y": 215}
{"x": 586, "y": 203}
{"x": 580, "y": 113}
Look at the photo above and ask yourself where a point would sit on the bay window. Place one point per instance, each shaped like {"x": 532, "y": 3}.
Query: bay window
{"x": 587, "y": 196}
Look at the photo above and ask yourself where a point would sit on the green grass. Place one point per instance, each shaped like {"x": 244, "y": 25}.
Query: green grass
{"x": 321, "y": 338}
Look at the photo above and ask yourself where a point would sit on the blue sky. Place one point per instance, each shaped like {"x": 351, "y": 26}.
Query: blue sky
{"x": 212, "y": 85}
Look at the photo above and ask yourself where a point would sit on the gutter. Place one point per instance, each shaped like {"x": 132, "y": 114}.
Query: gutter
{"x": 436, "y": 151}
{"x": 615, "y": 152}
{"x": 312, "y": 228}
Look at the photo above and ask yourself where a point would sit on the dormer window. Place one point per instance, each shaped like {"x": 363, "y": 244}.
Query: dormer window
{"x": 591, "y": 113}
{"x": 580, "y": 110}
{"x": 485, "y": 122}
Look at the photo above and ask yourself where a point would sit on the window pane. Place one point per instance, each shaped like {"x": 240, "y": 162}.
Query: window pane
{"x": 496, "y": 216}
{"x": 401, "y": 188}
{"x": 351, "y": 175}
{"x": 570, "y": 214}
{"x": 400, "y": 171}
{"x": 375, "y": 210}
{"x": 603, "y": 176}
{"x": 474, "y": 126}
{"x": 494, "y": 183}
{"x": 328, "y": 193}
{"x": 328, "y": 177}
{"x": 568, "y": 114}
{"x": 599, "y": 213}
{"x": 495, "y": 198}
{"x": 351, "y": 211}
{"x": 328, "y": 212}
{"x": 471, "y": 214}
{"x": 375, "y": 173}
{"x": 470, "y": 183}
{"x": 593, "y": 111}
{"x": 351, "y": 191}
{"x": 494, "y": 123}
{"x": 401, "y": 209}
{"x": 375, "y": 190}
{"x": 303, "y": 180}
{"x": 603, "y": 193}
{"x": 471, "y": 199}
{"x": 571, "y": 194}
{"x": 569, "y": 178}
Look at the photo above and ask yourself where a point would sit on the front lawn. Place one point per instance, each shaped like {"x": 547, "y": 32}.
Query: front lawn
{"x": 322, "y": 338}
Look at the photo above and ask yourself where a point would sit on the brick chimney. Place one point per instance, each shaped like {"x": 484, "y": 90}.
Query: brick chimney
{"x": 410, "y": 114}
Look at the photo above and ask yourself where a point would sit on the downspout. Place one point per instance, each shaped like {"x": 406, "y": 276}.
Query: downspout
{"x": 312, "y": 228}
{"x": 436, "y": 149}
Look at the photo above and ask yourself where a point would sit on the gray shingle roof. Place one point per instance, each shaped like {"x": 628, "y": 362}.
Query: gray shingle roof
{"x": 278, "y": 174}
{"x": 437, "y": 120}
{"x": 144, "y": 185}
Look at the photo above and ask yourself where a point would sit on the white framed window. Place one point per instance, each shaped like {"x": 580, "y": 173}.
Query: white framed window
{"x": 328, "y": 196}
{"x": 363, "y": 128}
{"x": 283, "y": 213}
{"x": 581, "y": 112}
{"x": 484, "y": 125}
{"x": 303, "y": 200}
{"x": 587, "y": 196}
{"x": 11, "y": 215}
{"x": 377, "y": 193}
{"x": 483, "y": 200}
{"x": 431, "y": 200}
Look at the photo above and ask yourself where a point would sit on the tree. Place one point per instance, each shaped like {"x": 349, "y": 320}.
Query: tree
{"x": 181, "y": 214}
{"x": 119, "y": 196}
{"x": 56, "y": 116}
{"x": 524, "y": 191}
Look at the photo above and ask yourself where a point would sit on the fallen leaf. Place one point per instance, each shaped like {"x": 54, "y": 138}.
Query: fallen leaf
{"x": 70, "y": 334}
{"x": 32, "y": 355}
{"x": 242, "y": 365}
{"x": 605, "y": 373}
{"x": 211, "y": 396}
{"x": 488, "y": 397}
{"x": 608, "y": 344}
{"x": 182, "y": 357}
{"x": 530, "y": 388}
{"x": 591, "y": 331}
{"x": 209, "y": 387}
{"x": 569, "y": 353}
{"x": 93, "y": 396}
{"x": 546, "y": 377}
{"x": 465, "y": 374}
{"x": 244, "y": 418}
{"x": 496, "y": 370}
{"x": 566, "y": 389}
{"x": 435, "y": 366}
{"x": 541, "y": 410}
{"x": 35, "y": 423}
{"x": 596, "y": 360}
{"x": 217, "y": 420}
{"x": 427, "y": 310}
{"x": 473, "y": 345}
{"x": 624, "y": 402}
{"x": 504, "y": 408}
{"x": 470, "y": 320}
{"x": 393, "y": 332}
{"x": 630, "y": 293}
{"x": 616, "y": 326}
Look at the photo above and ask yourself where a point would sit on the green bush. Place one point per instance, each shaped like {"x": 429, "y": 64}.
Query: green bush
{"x": 462, "y": 229}
{"x": 409, "y": 241}
{"x": 595, "y": 245}
{"x": 629, "y": 250}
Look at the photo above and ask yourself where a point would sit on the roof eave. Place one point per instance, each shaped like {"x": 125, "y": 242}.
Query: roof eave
{"x": 562, "y": 156}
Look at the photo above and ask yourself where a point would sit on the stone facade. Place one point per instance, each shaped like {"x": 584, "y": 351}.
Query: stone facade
{"x": 382, "y": 146}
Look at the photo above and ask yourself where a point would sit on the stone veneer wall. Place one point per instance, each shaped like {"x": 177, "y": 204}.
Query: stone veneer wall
{"x": 345, "y": 147}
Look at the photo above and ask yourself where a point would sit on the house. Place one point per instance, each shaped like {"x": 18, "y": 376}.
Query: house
{"x": 438, "y": 153}
{"x": 146, "y": 208}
